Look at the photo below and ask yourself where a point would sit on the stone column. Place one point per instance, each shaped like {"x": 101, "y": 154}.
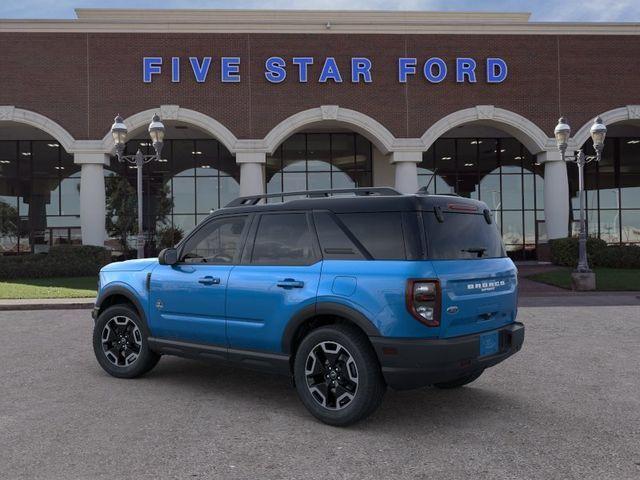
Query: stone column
{"x": 406, "y": 165}
{"x": 556, "y": 194}
{"x": 251, "y": 172}
{"x": 92, "y": 196}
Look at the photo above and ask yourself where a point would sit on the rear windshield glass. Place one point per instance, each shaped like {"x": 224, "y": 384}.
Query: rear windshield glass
{"x": 462, "y": 236}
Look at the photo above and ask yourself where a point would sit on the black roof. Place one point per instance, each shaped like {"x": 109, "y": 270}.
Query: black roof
{"x": 387, "y": 200}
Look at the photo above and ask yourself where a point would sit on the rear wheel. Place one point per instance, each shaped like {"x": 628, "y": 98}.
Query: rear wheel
{"x": 459, "y": 382}
{"x": 120, "y": 343}
{"x": 338, "y": 376}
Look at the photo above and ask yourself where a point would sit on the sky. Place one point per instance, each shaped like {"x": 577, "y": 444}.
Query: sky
{"x": 542, "y": 10}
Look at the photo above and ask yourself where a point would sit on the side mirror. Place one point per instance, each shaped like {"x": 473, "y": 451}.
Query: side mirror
{"x": 168, "y": 256}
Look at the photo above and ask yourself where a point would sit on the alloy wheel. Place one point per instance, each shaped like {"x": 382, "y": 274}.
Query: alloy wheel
{"x": 332, "y": 375}
{"x": 121, "y": 341}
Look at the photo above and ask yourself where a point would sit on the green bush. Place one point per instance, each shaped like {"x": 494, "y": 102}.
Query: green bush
{"x": 61, "y": 261}
{"x": 565, "y": 252}
{"x": 619, "y": 256}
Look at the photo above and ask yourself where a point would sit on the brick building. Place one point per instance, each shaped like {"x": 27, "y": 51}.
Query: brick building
{"x": 277, "y": 101}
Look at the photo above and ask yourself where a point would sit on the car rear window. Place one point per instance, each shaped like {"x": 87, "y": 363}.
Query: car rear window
{"x": 462, "y": 236}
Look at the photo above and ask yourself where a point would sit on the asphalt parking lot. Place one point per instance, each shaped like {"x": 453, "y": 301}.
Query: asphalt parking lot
{"x": 567, "y": 406}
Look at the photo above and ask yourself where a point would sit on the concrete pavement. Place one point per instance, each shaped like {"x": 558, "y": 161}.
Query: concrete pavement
{"x": 567, "y": 406}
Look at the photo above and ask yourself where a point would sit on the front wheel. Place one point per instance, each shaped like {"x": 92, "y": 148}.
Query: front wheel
{"x": 120, "y": 343}
{"x": 459, "y": 382}
{"x": 338, "y": 376}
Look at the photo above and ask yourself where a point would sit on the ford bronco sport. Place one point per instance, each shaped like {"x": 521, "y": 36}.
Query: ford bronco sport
{"x": 345, "y": 294}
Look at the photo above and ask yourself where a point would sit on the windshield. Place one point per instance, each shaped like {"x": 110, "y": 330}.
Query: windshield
{"x": 462, "y": 236}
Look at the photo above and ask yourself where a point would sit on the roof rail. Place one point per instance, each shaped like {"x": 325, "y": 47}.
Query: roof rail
{"x": 360, "y": 192}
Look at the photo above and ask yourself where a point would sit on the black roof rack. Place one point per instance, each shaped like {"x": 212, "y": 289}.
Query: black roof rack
{"x": 360, "y": 192}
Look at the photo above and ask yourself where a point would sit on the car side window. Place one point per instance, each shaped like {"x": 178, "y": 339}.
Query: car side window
{"x": 217, "y": 243}
{"x": 284, "y": 239}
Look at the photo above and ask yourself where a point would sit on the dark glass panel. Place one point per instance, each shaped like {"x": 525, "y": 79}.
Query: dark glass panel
{"x": 24, "y": 159}
{"x": 467, "y": 186}
{"x": 445, "y": 156}
{"x": 363, "y": 154}
{"x": 283, "y": 239}
{"x": 487, "y": 156}
{"x": 294, "y": 152}
{"x": 380, "y": 233}
{"x": 467, "y": 154}
{"x": 511, "y": 155}
{"x": 228, "y": 165}
{"x": 8, "y": 159}
{"x": 183, "y": 152}
{"x": 206, "y": 157}
{"x": 342, "y": 151}
{"x": 45, "y": 158}
{"x": 428, "y": 161}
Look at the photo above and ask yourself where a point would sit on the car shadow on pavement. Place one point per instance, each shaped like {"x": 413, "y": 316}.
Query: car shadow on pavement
{"x": 246, "y": 389}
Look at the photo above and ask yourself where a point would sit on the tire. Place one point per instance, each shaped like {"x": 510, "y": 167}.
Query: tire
{"x": 120, "y": 329}
{"x": 337, "y": 375}
{"x": 459, "y": 382}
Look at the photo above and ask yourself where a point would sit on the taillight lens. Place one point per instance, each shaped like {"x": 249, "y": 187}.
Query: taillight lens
{"x": 423, "y": 301}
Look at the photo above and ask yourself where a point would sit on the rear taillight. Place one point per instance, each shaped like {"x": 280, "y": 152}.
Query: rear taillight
{"x": 423, "y": 301}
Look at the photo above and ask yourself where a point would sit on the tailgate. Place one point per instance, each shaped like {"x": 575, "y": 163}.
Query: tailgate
{"x": 477, "y": 295}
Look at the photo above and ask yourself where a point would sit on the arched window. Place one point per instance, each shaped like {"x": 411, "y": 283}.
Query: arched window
{"x": 320, "y": 161}
{"x": 498, "y": 171}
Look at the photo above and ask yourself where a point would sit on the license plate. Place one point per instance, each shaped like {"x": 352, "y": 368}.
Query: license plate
{"x": 489, "y": 343}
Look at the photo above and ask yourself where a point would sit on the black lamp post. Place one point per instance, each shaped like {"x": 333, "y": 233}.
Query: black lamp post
{"x": 156, "y": 132}
{"x": 598, "y": 132}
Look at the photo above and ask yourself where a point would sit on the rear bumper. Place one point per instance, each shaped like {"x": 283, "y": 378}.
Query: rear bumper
{"x": 414, "y": 363}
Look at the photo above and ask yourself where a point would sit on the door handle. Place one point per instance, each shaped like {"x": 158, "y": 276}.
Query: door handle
{"x": 209, "y": 280}
{"x": 290, "y": 283}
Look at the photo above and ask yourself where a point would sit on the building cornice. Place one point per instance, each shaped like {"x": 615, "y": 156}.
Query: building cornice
{"x": 318, "y": 22}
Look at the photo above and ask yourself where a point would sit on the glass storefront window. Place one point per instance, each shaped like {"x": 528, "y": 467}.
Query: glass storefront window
{"x": 498, "y": 171}
{"x": 319, "y": 161}
{"x": 39, "y": 196}
{"x": 612, "y": 189}
{"x": 193, "y": 178}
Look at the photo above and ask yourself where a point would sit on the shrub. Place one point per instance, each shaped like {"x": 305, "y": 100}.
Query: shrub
{"x": 61, "y": 261}
{"x": 565, "y": 252}
{"x": 619, "y": 256}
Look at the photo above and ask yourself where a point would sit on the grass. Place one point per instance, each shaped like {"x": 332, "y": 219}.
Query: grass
{"x": 71, "y": 287}
{"x": 607, "y": 279}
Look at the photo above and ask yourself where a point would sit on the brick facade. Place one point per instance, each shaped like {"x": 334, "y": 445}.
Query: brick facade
{"x": 80, "y": 80}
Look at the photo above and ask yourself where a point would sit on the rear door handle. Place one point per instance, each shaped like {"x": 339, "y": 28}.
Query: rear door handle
{"x": 290, "y": 283}
{"x": 209, "y": 280}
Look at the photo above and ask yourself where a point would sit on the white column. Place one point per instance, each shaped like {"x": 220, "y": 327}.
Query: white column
{"x": 92, "y": 197}
{"x": 556, "y": 194}
{"x": 406, "y": 165}
{"x": 251, "y": 172}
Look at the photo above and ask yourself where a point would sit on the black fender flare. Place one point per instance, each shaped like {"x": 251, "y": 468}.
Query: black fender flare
{"x": 326, "y": 308}
{"x": 121, "y": 290}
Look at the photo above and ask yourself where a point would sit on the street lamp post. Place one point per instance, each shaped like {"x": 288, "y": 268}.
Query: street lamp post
{"x": 119, "y": 133}
{"x": 598, "y": 132}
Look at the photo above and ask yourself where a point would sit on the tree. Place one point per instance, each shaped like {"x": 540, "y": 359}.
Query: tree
{"x": 122, "y": 209}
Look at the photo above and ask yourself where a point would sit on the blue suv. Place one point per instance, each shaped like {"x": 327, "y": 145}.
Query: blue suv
{"x": 346, "y": 291}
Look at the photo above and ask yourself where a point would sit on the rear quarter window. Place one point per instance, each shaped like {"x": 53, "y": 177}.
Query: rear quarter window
{"x": 381, "y": 234}
{"x": 462, "y": 236}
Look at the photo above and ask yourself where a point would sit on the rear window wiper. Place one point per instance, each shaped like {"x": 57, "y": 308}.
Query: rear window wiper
{"x": 479, "y": 251}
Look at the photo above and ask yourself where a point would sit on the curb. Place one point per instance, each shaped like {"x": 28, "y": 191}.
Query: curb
{"x": 43, "y": 305}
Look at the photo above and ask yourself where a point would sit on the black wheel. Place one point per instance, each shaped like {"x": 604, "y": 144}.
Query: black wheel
{"x": 120, "y": 343}
{"x": 459, "y": 382}
{"x": 338, "y": 376}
